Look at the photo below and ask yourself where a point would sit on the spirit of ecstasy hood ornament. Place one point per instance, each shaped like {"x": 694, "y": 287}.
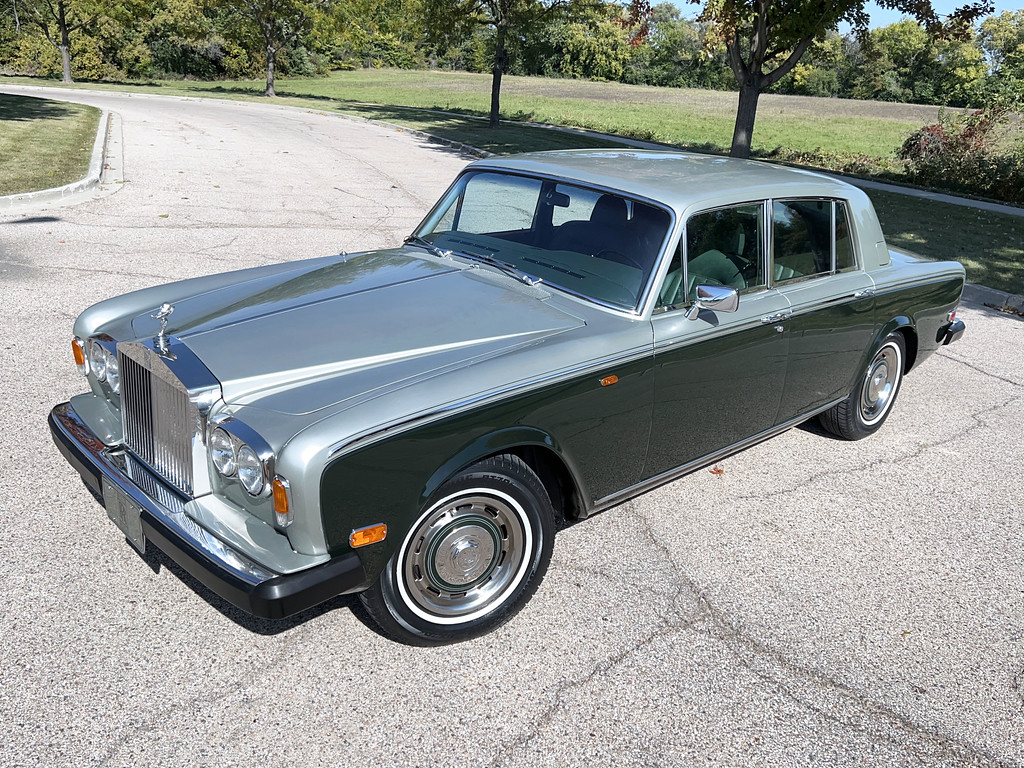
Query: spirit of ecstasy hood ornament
{"x": 162, "y": 314}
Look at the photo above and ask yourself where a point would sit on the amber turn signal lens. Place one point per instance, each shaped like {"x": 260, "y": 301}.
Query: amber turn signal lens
{"x": 607, "y": 381}
{"x": 78, "y": 350}
{"x": 369, "y": 535}
{"x": 281, "y": 501}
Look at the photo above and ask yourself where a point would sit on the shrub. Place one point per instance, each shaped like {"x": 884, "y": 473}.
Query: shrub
{"x": 968, "y": 152}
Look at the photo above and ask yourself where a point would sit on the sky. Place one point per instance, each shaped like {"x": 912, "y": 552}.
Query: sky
{"x": 880, "y": 17}
{"x": 883, "y": 17}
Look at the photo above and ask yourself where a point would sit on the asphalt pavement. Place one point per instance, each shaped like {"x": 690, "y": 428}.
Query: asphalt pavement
{"x": 818, "y": 602}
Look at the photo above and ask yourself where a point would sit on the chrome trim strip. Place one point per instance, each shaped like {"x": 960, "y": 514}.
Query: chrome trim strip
{"x": 366, "y": 438}
{"x": 673, "y": 474}
{"x": 888, "y": 288}
{"x": 167, "y": 506}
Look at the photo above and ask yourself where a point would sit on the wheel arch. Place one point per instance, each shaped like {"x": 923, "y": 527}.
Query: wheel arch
{"x": 538, "y": 450}
{"x": 905, "y": 327}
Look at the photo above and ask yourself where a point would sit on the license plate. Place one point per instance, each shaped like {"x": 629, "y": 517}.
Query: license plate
{"x": 125, "y": 513}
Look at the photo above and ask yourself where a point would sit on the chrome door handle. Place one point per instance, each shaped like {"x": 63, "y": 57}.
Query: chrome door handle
{"x": 864, "y": 294}
{"x": 778, "y": 317}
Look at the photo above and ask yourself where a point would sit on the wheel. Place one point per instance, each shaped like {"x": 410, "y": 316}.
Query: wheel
{"x": 471, "y": 560}
{"x": 867, "y": 407}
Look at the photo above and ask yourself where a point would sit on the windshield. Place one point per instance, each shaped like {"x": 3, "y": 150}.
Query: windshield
{"x": 595, "y": 244}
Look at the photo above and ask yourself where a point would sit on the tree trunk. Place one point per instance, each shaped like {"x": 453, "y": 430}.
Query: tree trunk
{"x": 65, "y": 61}
{"x": 271, "y": 56}
{"x": 746, "y": 112}
{"x": 65, "y": 42}
{"x": 497, "y": 70}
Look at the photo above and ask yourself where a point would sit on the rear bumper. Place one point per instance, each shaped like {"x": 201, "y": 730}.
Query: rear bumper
{"x": 952, "y": 332}
{"x": 226, "y": 571}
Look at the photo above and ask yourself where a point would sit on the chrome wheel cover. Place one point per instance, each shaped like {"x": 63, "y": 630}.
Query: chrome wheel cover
{"x": 880, "y": 383}
{"x": 465, "y": 556}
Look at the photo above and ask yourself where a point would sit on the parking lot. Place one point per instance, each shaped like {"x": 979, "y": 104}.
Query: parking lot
{"x": 818, "y": 602}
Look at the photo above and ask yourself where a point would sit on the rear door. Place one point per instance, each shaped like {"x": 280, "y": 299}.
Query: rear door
{"x": 832, "y": 323}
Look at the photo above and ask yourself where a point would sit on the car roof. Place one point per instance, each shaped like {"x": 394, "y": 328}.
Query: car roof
{"x": 681, "y": 180}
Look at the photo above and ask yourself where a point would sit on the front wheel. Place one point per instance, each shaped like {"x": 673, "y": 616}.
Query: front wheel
{"x": 867, "y": 407}
{"x": 471, "y": 560}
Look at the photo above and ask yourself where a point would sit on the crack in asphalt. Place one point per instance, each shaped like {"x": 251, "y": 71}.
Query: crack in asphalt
{"x": 859, "y": 469}
{"x": 870, "y": 719}
{"x": 976, "y": 369}
{"x": 722, "y": 628}
{"x": 663, "y": 626}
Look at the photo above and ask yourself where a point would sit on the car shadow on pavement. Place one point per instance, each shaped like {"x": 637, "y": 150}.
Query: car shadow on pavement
{"x": 814, "y": 427}
{"x": 158, "y": 561}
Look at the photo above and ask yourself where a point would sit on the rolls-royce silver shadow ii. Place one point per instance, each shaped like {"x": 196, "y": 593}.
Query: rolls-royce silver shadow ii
{"x": 563, "y": 332}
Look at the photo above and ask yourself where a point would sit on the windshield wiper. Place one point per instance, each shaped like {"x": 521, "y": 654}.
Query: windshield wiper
{"x": 424, "y": 243}
{"x": 504, "y": 266}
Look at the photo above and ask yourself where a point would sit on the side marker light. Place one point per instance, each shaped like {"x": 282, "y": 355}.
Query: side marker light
{"x": 369, "y": 535}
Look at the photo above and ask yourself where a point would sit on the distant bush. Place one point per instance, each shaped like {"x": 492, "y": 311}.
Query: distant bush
{"x": 968, "y": 152}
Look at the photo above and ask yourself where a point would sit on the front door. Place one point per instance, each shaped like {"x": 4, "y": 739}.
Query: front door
{"x": 718, "y": 378}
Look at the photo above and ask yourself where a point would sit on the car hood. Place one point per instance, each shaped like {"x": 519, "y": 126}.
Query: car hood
{"x": 315, "y": 337}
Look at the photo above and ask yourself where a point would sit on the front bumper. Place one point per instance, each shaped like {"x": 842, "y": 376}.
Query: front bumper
{"x": 227, "y": 572}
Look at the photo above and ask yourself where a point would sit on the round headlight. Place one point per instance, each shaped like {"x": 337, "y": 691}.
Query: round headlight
{"x": 98, "y": 360}
{"x": 113, "y": 373}
{"x": 250, "y": 470}
{"x": 222, "y": 451}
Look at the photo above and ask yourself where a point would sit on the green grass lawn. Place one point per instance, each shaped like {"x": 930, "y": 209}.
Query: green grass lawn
{"x": 683, "y": 117}
{"x": 44, "y": 143}
{"x": 989, "y": 245}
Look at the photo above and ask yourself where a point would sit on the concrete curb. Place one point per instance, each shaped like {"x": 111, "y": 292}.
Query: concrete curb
{"x": 91, "y": 179}
{"x": 990, "y": 297}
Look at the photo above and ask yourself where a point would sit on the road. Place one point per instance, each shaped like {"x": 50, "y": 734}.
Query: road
{"x": 817, "y": 603}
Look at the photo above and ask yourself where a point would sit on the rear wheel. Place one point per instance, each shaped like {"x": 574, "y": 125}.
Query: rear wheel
{"x": 471, "y": 560}
{"x": 868, "y": 406}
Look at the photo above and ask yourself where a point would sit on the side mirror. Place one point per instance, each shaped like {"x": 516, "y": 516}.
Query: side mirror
{"x": 720, "y": 298}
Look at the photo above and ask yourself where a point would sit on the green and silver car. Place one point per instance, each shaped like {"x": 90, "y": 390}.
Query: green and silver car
{"x": 563, "y": 332}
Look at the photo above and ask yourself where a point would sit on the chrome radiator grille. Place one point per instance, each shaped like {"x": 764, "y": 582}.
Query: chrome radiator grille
{"x": 157, "y": 416}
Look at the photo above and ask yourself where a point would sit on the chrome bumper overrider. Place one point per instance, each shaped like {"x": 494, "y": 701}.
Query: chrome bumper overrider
{"x": 161, "y": 520}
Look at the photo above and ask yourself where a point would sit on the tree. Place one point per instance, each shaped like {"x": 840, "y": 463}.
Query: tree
{"x": 276, "y": 24}
{"x": 1002, "y": 40}
{"x": 449, "y": 21}
{"x": 767, "y": 38}
{"x": 58, "y": 20}
{"x": 594, "y": 45}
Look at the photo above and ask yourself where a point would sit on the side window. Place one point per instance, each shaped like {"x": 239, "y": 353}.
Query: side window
{"x": 801, "y": 239}
{"x": 810, "y": 238}
{"x": 845, "y": 258}
{"x": 724, "y": 247}
{"x": 721, "y": 247}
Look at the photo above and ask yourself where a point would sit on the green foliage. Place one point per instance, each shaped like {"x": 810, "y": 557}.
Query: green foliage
{"x": 595, "y": 45}
{"x": 971, "y": 152}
